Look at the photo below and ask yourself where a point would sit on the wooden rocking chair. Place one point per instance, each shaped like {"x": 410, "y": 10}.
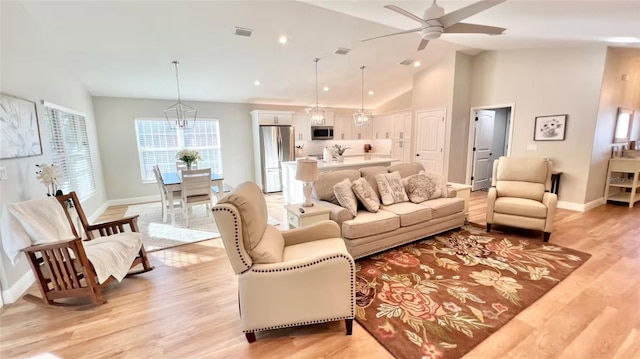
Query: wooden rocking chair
{"x": 61, "y": 275}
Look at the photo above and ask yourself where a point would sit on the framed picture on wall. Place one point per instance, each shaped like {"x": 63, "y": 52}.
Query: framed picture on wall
{"x": 19, "y": 129}
{"x": 550, "y": 128}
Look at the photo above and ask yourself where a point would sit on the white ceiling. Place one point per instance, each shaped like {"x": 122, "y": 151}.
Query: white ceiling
{"x": 125, "y": 49}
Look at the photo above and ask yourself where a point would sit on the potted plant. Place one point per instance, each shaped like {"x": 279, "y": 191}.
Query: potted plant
{"x": 338, "y": 151}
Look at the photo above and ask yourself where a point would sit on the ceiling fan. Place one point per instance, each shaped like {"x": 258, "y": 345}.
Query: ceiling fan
{"x": 434, "y": 22}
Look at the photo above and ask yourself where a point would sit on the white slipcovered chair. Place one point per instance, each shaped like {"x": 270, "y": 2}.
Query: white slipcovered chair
{"x": 291, "y": 278}
{"x": 520, "y": 194}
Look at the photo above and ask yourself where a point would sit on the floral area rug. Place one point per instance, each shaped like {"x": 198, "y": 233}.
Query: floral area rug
{"x": 440, "y": 297}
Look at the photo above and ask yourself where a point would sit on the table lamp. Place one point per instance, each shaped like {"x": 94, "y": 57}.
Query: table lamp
{"x": 307, "y": 172}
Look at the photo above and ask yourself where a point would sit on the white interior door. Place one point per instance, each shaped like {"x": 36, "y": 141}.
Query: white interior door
{"x": 483, "y": 138}
{"x": 430, "y": 127}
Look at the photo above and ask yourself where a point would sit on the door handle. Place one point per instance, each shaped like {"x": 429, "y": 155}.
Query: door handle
{"x": 417, "y": 155}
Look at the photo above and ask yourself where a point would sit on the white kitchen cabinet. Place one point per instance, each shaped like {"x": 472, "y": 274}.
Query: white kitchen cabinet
{"x": 282, "y": 118}
{"x": 342, "y": 128}
{"x": 382, "y": 128}
{"x": 360, "y": 133}
{"x": 329, "y": 118}
{"x": 402, "y": 126}
{"x": 302, "y": 125}
{"x": 401, "y": 149}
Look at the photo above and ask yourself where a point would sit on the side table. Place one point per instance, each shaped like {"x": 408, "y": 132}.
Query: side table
{"x": 462, "y": 191}
{"x": 311, "y": 215}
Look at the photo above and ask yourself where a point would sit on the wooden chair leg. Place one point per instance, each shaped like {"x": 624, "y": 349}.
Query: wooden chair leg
{"x": 349, "y": 325}
{"x": 547, "y": 235}
{"x": 488, "y": 227}
{"x": 251, "y": 337}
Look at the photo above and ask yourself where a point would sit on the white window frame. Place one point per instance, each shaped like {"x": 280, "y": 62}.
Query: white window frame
{"x": 180, "y": 146}
{"x": 62, "y": 155}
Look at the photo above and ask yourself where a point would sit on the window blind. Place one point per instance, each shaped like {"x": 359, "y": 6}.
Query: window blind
{"x": 69, "y": 146}
{"x": 158, "y": 144}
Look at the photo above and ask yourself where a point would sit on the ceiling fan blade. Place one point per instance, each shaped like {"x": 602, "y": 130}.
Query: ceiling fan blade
{"x": 464, "y": 28}
{"x": 406, "y": 13}
{"x": 395, "y": 33}
{"x": 423, "y": 44}
{"x": 461, "y": 14}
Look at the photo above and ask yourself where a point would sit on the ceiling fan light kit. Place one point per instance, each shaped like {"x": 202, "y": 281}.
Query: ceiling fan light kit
{"x": 362, "y": 117}
{"x": 180, "y": 115}
{"x": 435, "y": 22}
{"x": 316, "y": 113}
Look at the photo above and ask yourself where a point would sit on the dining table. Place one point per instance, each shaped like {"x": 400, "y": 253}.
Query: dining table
{"x": 173, "y": 181}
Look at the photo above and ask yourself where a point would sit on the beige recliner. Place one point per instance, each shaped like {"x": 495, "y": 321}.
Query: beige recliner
{"x": 520, "y": 194}
{"x": 296, "y": 277}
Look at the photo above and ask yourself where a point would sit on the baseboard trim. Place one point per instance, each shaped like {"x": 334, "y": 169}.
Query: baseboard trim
{"x": 19, "y": 288}
{"x": 132, "y": 200}
{"x": 581, "y": 207}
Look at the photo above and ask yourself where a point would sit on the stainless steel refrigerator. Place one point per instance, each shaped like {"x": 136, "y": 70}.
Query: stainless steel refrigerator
{"x": 277, "y": 145}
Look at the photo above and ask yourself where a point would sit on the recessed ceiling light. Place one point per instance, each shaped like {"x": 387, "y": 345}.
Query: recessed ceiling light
{"x": 283, "y": 39}
{"x": 371, "y": 92}
{"x": 257, "y": 82}
{"x": 325, "y": 89}
{"x": 416, "y": 63}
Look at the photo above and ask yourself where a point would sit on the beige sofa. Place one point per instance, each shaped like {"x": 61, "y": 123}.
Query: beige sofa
{"x": 392, "y": 225}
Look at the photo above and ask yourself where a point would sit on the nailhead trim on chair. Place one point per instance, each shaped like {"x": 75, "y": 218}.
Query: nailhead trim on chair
{"x": 235, "y": 224}
{"x": 353, "y": 270}
{"x": 298, "y": 324}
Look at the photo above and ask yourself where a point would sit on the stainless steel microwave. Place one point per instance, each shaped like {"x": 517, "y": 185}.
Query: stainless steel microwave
{"x": 322, "y": 132}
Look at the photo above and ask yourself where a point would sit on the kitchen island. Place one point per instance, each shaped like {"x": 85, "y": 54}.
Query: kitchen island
{"x": 292, "y": 188}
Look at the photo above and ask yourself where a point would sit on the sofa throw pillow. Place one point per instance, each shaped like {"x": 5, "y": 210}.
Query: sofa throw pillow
{"x": 439, "y": 182}
{"x": 366, "y": 194}
{"x": 420, "y": 188}
{"x": 391, "y": 188}
{"x": 345, "y": 196}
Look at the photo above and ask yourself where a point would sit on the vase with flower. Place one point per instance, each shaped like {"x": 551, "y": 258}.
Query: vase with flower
{"x": 188, "y": 157}
{"x": 48, "y": 175}
{"x": 338, "y": 151}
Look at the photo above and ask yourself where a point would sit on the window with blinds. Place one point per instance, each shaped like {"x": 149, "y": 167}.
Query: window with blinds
{"x": 69, "y": 147}
{"x": 158, "y": 144}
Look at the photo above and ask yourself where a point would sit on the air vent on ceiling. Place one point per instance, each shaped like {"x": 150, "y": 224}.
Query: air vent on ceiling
{"x": 240, "y": 31}
{"x": 342, "y": 51}
{"x": 406, "y": 62}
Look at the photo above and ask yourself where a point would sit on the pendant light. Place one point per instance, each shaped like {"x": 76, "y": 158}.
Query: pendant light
{"x": 180, "y": 115}
{"x": 316, "y": 113}
{"x": 362, "y": 117}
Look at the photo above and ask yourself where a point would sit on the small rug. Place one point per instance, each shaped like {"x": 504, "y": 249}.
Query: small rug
{"x": 440, "y": 297}
{"x": 158, "y": 235}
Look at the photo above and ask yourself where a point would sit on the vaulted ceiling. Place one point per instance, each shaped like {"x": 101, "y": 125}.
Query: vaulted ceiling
{"x": 125, "y": 49}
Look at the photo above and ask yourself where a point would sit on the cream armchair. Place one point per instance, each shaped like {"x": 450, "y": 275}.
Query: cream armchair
{"x": 296, "y": 277}
{"x": 520, "y": 194}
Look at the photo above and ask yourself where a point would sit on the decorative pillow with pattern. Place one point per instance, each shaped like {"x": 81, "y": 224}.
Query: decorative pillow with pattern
{"x": 419, "y": 188}
{"x": 391, "y": 188}
{"x": 439, "y": 183}
{"x": 366, "y": 194}
{"x": 345, "y": 196}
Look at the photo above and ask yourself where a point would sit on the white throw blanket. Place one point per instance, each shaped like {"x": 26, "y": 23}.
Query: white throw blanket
{"x": 43, "y": 220}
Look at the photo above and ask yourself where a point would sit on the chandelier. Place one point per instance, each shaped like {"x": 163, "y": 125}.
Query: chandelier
{"x": 362, "y": 117}
{"x": 180, "y": 115}
{"x": 316, "y": 113}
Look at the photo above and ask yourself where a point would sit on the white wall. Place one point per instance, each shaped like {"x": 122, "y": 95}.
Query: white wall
{"x": 614, "y": 93}
{"x": 399, "y": 103}
{"x": 460, "y": 119}
{"x": 547, "y": 82}
{"x": 32, "y": 69}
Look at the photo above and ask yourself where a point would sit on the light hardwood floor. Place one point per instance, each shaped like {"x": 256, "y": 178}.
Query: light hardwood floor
{"x": 187, "y": 307}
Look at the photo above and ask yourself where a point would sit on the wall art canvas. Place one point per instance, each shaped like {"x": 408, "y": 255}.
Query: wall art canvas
{"x": 550, "y": 128}
{"x": 19, "y": 130}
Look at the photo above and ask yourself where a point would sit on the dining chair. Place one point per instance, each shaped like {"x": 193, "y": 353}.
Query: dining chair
{"x": 196, "y": 190}
{"x": 182, "y": 166}
{"x": 164, "y": 198}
